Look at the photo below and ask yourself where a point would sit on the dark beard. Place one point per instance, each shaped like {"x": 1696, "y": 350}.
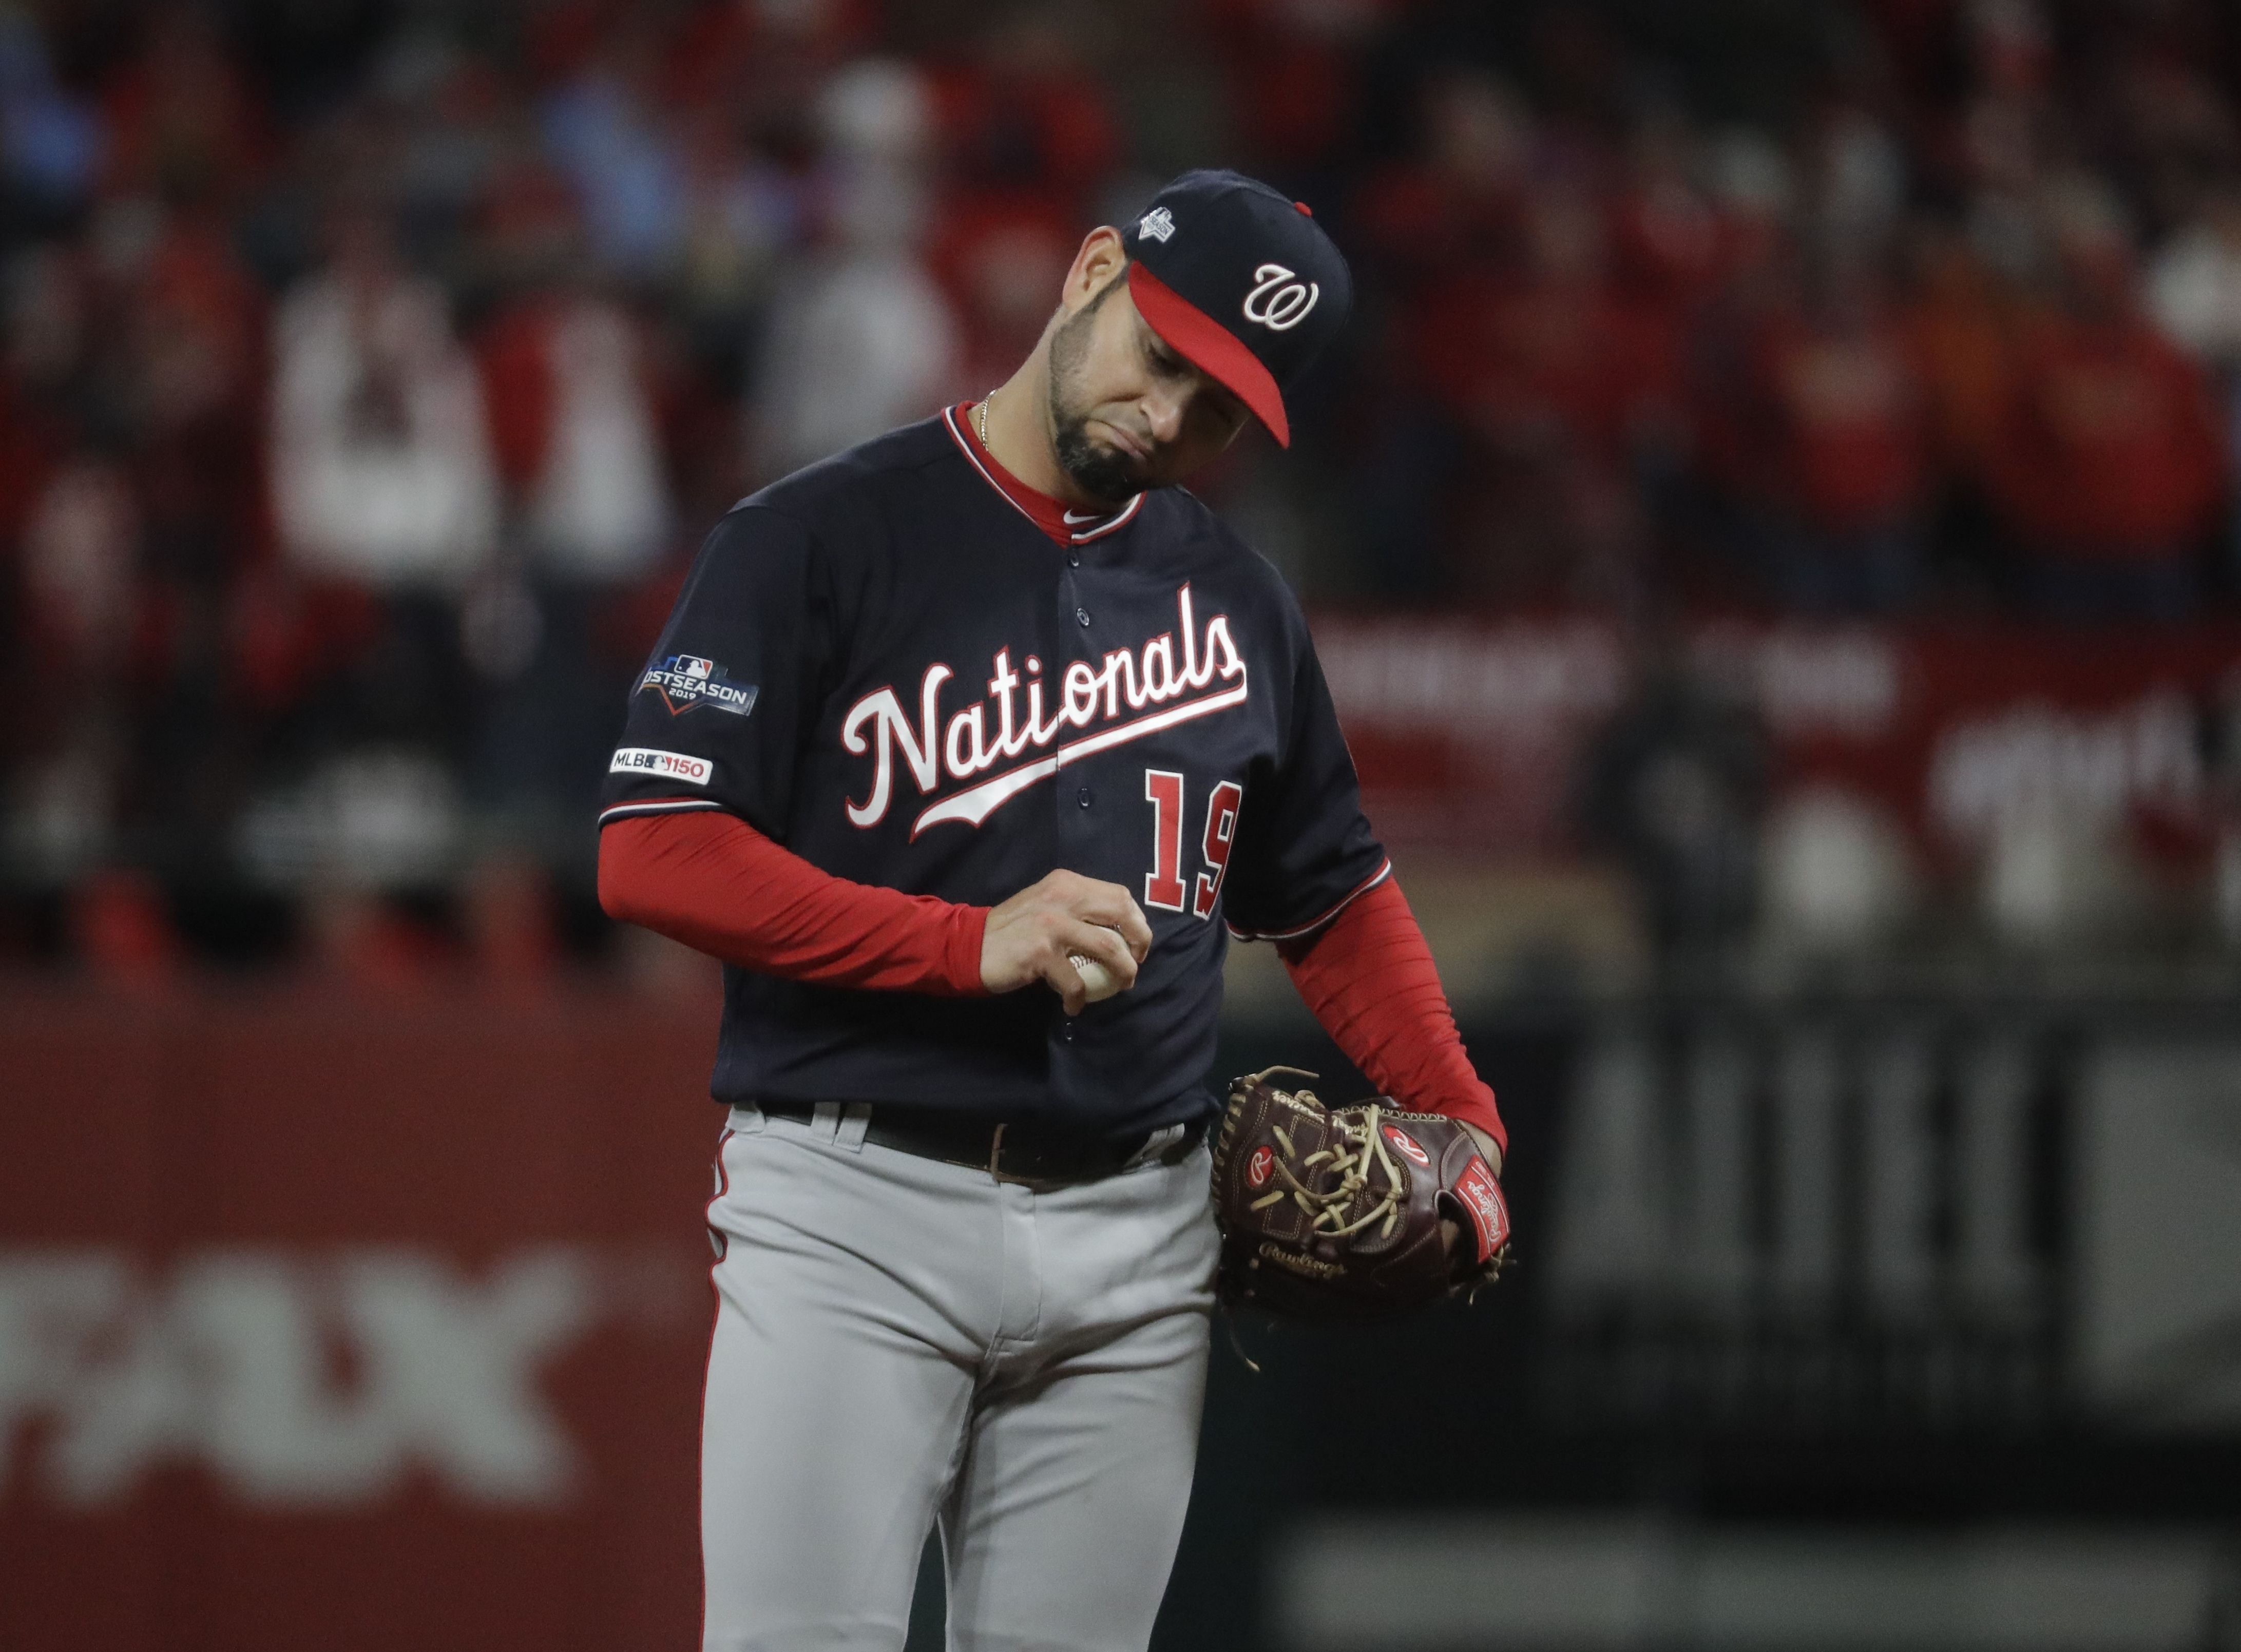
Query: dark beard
{"x": 1102, "y": 473}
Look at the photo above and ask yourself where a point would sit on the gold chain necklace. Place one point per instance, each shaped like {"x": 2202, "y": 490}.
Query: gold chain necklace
{"x": 982, "y": 417}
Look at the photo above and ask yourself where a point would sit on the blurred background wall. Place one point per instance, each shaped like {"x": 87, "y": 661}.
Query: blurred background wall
{"x": 1772, "y": 536}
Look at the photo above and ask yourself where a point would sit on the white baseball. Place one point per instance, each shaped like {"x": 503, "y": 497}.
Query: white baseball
{"x": 1095, "y": 976}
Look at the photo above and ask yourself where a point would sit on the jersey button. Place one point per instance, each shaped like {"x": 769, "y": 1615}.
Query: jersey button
{"x": 1082, "y": 614}
{"x": 1074, "y": 558}
{"x": 1082, "y": 796}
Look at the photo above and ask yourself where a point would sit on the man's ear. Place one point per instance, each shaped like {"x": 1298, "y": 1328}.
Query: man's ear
{"x": 1101, "y": 258}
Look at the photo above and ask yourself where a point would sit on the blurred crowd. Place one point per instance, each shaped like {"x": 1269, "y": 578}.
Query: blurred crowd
{"x": 369, "y": 371}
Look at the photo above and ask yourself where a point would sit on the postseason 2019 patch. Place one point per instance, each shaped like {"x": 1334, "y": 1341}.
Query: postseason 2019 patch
{"x": 686, "y": 680}
{"x": 668, "y": 766}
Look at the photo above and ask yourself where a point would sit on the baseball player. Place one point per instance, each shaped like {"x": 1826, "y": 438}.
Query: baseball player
{"x": 965, "y": 750}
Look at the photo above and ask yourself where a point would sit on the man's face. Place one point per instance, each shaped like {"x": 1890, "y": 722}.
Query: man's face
{"x": 1127, "y": 411}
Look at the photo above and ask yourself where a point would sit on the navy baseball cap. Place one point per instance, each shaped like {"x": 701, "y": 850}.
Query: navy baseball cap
{"x": 1243, "y": 282}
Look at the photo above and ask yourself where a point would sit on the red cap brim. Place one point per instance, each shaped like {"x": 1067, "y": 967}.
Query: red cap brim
{"x": 1210, "y": 347}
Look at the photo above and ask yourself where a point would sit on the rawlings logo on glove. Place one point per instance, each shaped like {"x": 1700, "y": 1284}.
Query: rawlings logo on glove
{"x": 1335, "y": 1213}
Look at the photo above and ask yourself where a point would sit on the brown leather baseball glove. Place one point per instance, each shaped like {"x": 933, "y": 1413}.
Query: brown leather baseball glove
{"x": 1335, "y": 1213}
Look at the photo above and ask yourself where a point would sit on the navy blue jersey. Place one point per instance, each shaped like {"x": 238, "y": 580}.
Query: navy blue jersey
{"x": 884, "y": 663}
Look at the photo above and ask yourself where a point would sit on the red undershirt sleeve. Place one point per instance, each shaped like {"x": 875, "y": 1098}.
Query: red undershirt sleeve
{"x": 713, "y": 882}
{"x": 1369, "y": 979}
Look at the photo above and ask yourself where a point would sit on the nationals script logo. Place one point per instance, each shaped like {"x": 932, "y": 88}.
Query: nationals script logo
{"x": 1089, "y": 709}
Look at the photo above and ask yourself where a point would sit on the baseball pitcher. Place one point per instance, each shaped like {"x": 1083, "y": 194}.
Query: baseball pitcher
{"x": 966, "y": 751}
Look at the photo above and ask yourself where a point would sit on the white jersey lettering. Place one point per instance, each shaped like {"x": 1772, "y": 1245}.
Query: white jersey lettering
{"x": 1087, "y": 696}
{"x": 885, "y": 712}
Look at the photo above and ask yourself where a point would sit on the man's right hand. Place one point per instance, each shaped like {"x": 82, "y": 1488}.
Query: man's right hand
{"x": 1030, "y": 937}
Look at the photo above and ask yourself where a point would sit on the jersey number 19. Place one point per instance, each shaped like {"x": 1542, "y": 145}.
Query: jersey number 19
{"x": 1163, "y": 886}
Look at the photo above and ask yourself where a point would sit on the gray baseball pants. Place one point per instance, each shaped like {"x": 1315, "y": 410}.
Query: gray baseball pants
{"x": 899, "y": 1340}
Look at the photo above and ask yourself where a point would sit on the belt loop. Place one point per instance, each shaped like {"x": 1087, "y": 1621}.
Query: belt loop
{"x": 748, "y": 1118}
{"x": 824, "y": 1120}
{"x": 855, "y": 1119}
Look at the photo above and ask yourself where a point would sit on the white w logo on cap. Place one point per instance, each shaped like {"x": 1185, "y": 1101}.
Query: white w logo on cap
{"x": 1280, "y": 300}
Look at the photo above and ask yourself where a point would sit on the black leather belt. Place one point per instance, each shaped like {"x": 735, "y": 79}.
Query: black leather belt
{"x": 1011, "y": 1151}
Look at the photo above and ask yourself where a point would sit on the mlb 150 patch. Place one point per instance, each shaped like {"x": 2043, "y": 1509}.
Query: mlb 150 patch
{"x": 686, "y": 680}
{"x": 670, "y": 766}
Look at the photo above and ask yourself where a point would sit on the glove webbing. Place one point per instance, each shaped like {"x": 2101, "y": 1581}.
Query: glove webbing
{"x": 1358, "y": 1149}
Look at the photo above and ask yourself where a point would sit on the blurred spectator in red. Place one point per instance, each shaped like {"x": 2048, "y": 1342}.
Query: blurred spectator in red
{"x": 1292, "y": 68}
{"x": 1553, "y": 377}
{"x": 2011, "y": 46}
{"x": 1023, "y": 116}
{"x": 1917, "y": 38}
{"x": 1823, "y": 422}
{"x": 1462, "y": 201}
{"x": 197, "y": 321}
{"x": 2108, "y": 464}
{"x": 1960, "y": 321}
{"x": 1665, "y": 235}
{"x": 567, "y": 373}
{"x": 1832, "y": 456}
{"x": 2174, "y": 133}
{"x": 1452, "y": 212}
{"x": 1004, "y": 259}
{"x": 569, "y": 379}
{"x": 181, "y": 120}
{"x": 1753, "y": 192}
{"x": 191, "y": 326}
{"x": 42, "y": 387}
{"x": 861, "y": 337}
{"x": 2194, "y": 291}
{"x": 750, "y": 55}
